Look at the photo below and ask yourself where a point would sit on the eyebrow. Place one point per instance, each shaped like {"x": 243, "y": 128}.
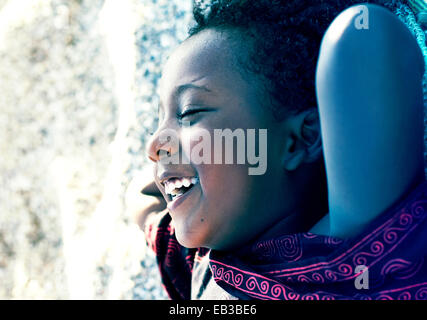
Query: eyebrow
{"x": 182, "y": 88}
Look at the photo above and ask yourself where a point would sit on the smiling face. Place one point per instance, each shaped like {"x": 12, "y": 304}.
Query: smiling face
{"x": 225, "y": 206}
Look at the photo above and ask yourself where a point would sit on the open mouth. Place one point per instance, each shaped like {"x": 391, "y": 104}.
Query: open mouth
{"x": 177, "y": 187}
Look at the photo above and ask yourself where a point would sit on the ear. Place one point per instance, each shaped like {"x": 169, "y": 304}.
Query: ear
{"x": 304, "y": 143}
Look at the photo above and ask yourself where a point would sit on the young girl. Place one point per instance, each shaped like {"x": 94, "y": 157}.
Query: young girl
{"x": 289, "y": 234}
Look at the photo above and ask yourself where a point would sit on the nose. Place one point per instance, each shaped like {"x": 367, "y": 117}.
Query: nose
{"x": 163, "y": 143}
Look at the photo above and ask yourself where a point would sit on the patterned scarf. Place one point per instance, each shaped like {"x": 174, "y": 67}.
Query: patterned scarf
{"x": 389, "y": 256}
{"x": 387, "y": 261}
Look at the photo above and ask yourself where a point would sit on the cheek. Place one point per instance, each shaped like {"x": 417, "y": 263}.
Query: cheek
{"x": 197, "y": 145}
{"x": 189, "y": 137}
{"x": 226, "y": 193}
{"x": 233, "y": 211}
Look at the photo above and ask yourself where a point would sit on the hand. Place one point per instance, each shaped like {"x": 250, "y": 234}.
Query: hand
{"x": 143, "y": 198}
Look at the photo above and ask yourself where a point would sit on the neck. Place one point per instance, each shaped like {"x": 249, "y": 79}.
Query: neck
{"x": 297, "y": 222}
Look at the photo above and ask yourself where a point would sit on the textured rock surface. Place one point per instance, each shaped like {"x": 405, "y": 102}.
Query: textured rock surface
{"x": 77, "y": 100}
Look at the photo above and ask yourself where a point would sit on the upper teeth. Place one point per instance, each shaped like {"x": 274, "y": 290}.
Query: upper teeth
{"x": 172, "y": 184}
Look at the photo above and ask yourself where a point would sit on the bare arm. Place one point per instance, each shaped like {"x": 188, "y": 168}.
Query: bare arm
{"x": 369, "y": 90}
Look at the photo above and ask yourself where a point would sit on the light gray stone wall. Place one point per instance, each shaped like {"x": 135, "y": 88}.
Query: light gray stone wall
{"x": 77, "y": 100}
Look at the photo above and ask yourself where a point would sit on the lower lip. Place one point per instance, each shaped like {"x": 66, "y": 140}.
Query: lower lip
{"x": 177, "y": 202}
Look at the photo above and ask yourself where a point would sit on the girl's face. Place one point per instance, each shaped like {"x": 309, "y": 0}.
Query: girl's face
{"x": 226, "y": 207}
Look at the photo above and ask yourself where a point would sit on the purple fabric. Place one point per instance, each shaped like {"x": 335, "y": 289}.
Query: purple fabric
{"x": 310, "y": 266}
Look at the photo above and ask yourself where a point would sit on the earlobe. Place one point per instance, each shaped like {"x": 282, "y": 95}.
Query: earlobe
{"x": 294, "y": 160}
{"x": 295, "y": 150}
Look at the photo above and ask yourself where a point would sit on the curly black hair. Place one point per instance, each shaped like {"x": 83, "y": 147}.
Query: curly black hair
{"x": 285, "y": 37}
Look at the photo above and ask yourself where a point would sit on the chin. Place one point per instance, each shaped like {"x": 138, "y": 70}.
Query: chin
{"x": 189, "y": 239}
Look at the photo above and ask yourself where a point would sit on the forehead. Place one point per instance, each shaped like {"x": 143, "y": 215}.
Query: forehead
{"x": 207, "y": 55}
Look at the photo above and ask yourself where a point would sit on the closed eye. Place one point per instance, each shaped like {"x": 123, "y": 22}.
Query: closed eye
{"x": 190, "y": 112}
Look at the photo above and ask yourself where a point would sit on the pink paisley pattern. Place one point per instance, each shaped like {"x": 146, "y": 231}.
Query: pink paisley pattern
{"x": 314, "y": 267}
{"x": 421, "y": 293}
{"x": 406, "y": 295}
{"x": 287, "y": 248}
{"x": 374, "y": 250}
{"x": 265, "y": 249}
{"x": 332, "y": 241}
{"x": 173, "y": 247}
{"x": 402, "y": 269}
{"x": 309, "y": 235}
